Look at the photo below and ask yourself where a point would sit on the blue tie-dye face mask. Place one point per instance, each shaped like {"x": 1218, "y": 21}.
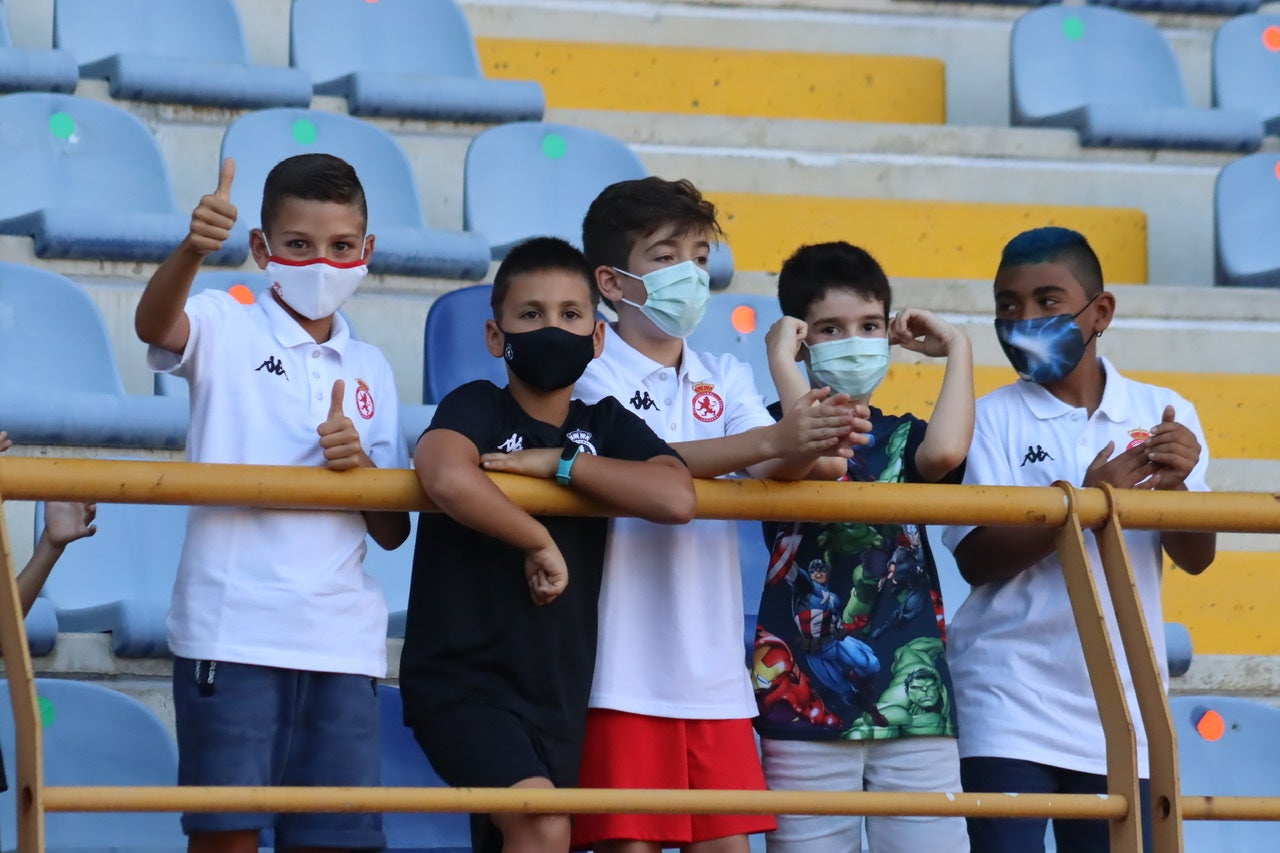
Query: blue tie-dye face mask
{"x": 1043, "y": 350}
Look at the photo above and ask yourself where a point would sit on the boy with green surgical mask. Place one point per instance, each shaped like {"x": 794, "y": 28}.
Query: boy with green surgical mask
{"x": 849, "y": 668}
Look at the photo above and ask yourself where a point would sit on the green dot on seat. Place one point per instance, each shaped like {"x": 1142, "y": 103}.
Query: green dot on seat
{"x": 554, "y": 146}
{"x": 1073, "y": 28}
{"x": 47, "y": 712}
{"x": 304, "y": 131}
{"x": 62, "y": 125}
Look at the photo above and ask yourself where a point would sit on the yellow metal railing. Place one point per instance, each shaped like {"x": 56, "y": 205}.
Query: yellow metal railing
{"x": 1070, "y": 511}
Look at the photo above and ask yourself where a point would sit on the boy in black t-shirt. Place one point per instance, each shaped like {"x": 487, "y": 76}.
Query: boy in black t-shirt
{"x": 500, "y": 639}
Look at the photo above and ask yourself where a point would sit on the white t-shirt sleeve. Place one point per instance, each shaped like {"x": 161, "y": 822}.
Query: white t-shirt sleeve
{"x": 206, "y": 311}
{"x": 986, "y": 465}
{"x": 597, "y": 382}
{"x": 385, "y": 445}
{"x": 744, "y": 406}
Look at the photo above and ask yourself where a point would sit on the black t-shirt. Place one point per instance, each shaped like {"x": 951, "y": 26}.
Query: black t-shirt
{"x": 473, "y": 634}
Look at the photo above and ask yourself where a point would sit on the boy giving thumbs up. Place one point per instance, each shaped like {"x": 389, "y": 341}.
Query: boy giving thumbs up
{"x": 276, "y": 630}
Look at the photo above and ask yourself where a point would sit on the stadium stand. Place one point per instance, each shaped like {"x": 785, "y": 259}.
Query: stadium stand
{"x": 404, "y": 765}
{"x": 23, "y": 70}
{"x": 1246, "y": 67}
{"x": 120, "y": 580}
{"x": 453, "y": 345}
{"x": 85, "y": 179}
{"x": 1112, "y": 76}
{"x": 405, "y": 244}
{"x": 403, "y": 58}
{"x": 94, "y": 735}
{"x": 527, "y": 179}
{"x": 69, "y": 386}
{"x": 1246, "y": 208}
{"x": 1228, "y": 746}
{"x": 180, "y": 51}
{"x": 1205, "y": 7}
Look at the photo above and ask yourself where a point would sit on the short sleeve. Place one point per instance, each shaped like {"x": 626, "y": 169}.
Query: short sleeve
{"x": 627, "y": 436}
{"x": 987, "y": 465}
{"x": 745, "y": 409}
{"x": 473, "y": 410}
{"x": 385, "y": 442}
{"x": 207, "y": 312}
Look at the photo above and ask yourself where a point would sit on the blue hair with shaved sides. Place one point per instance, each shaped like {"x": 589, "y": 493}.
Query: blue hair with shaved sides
{"x": 1054, "y": 245}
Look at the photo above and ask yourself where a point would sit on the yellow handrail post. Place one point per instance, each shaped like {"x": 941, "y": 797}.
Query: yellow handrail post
{"x": 1148, "y": 685}
{"x": 1108, "y": 691}
{"x": 22, "y": 694}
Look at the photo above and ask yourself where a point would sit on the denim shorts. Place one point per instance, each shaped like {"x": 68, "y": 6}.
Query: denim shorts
{"x": 240, "y": 724}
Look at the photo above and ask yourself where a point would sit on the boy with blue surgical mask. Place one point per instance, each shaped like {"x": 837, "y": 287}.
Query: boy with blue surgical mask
{"x": 1028, "y": 720}
{"x": 671, "y": 701}
{"x": 849, "y": 664}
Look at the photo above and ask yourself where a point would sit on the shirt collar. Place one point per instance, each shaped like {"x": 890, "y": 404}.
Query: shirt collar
{"x": 291, "y": 334}
{"x": 1114, "y": 405}
{"x": 632, "y": 361}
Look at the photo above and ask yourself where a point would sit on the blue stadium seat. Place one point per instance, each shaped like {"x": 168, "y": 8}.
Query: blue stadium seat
{"x": 736, "y": 323}
{"x": 528, "y": 179}
{"x": 85, "y": 179}
{"x": 404, "y": 766}
{"x": 1246, "y": 67}
{"x": 181, "y": 51}
{"x": 94, "y": 735}
{"x": 1205, "y": 7}
{"x": 69, "y": 384}
{"x": 393, "y": 570}
{"x": 453, "y": 347}
{"x": 1228, "y": 746}
{"x": 1113, "y": 77}
{"x": 405, "y": 244}
{"x": 1246, "y": 220}
{"x": 404, "y": 58}
{"x": 34, "y": 70}
{"x": 121, "y": 579}
{"x": 42, "y": 628}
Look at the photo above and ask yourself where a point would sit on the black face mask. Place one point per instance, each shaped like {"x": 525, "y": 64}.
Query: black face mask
{"x": 549, "y": 358}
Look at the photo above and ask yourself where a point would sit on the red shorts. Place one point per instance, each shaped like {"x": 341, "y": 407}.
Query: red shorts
{"x": 624, "y": 750}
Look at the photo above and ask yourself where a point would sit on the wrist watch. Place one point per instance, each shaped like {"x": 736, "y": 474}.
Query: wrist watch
{"x": 567, "y": 457}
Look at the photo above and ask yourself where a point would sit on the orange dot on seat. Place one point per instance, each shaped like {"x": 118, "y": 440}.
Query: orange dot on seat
{"x": 1271, "y": 38}
{"x": 1211, "y": 726}
{"x": 241, "y": 293}
{"x": 1278, "y": 170}
{"x": 743, "y": 319}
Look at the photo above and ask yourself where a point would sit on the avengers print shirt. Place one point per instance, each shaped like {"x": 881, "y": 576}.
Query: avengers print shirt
{"x": 850, "y": 639}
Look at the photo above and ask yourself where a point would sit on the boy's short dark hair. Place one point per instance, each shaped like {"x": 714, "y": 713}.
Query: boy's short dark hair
{"x": 630, "y": 210}
{"x": 1054, "y": 245}
{"x": 811, "y": 271}
{"x": 538, "y": 255}
{"x": 316, "y": 177}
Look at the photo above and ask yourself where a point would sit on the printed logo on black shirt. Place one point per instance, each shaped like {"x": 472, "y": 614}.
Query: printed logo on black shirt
{"x": 512, "y": 444}
{"x": 272, "y": 365}
{"x": 1035, "y": 454}
{"x": 582, "y": 438}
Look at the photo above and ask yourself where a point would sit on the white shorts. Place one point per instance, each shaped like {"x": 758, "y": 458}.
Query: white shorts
{"x": 925, "y": 764}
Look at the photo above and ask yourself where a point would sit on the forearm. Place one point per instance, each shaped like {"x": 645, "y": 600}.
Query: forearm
{"x": 31, "y": 579}
{"x": 388, "y": 528}
{"x": 470, "y": 498}
{"x": 161, "y": 305}
{"x": 1193, "y": 552}
{"x": 789, "y": 380}
{"x": 992, "y": 554}
{"x": 656, "y": 490}
{"x": 713, "y": 457}
{"x": 950, "y": 431}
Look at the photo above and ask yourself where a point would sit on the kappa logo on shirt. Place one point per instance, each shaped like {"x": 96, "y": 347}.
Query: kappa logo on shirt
{"x": 582, "y": 438}
{"x": 708, "y": 406}
{"x": 271, "y": 364}
{"x": 1034, "y": 455}
{"x": 512, "y": 444}
{"x": 642, "y": 403}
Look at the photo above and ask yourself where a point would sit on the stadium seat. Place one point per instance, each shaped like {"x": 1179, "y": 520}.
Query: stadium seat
{"x": 94, "y": 735}
{"x": 1228, "y": 746}
{"x": 180, "y": 51}
{"x": 1113, "y": 77}
{"x": 405, "y": 244}
{"x": 736, "y": 324}
{"x": 69, "y": 386}
{"x": 42, "y": 628}
{"x": 528, "y": 179}
{"x": 393, "y": 569}
{"x": 453, "y": 347}
{"x": 34, "y": 70}
{"x": 404, "y": 58}
{"x": 404, "y": 765}
{"x": 1246, "y": 219}
{"x": 86, "y": 179}
{"x": 1206, "y": 7}
{"x": 1246, "y": 67}
{"x": 121, "y": 579}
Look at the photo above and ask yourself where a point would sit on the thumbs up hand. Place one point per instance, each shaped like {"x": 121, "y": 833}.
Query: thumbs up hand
{"x": 338, "y": 436}
{"x": 213, "y": 217}
{"x": 1173, "y": 450}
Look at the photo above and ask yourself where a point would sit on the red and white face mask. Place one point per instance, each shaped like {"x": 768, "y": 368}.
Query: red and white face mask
{"x": 315, "y": 288}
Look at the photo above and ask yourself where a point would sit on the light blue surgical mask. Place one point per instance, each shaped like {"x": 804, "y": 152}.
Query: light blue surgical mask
{"x": 675, "y": 297}
{"x": 853, "y": 366}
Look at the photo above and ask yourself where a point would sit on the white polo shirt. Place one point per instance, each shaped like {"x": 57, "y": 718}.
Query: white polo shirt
{"x": 1022, "y": 690}
{"x": 671, "y": 610}
{"x": 280, "y": 588}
